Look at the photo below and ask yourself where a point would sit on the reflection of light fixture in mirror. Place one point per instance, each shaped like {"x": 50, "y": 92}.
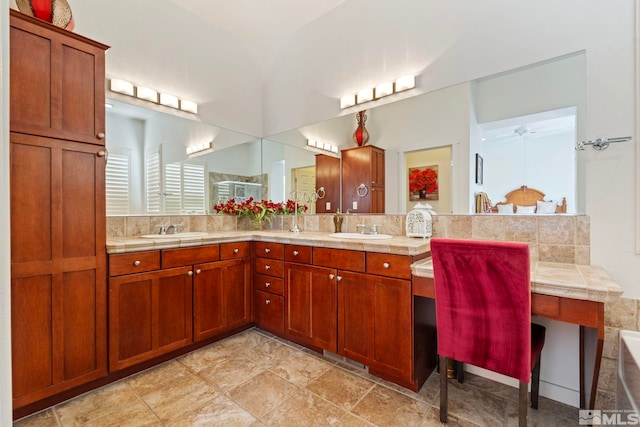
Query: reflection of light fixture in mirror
{"x": 199, "y": 149}
{"x": 383, "y": 89}
{"x": 365, "y": 95}
{"x": 324, "y": 146}
{"x": 147, "y": 94}
{"x": 107, "y": 105}
{"x": 405, "y": 83}
{"x": 188, "y": 106}
{"x": 348, "y": 101}
{"x": 121, "y": 86}
{"x": 169, "y": 100}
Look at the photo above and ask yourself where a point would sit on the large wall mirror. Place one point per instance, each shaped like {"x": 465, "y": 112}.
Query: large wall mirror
{"x": 523, "y": 123}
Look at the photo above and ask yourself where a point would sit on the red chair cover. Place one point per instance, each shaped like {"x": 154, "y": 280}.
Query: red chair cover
{"x": 483, "y": 304}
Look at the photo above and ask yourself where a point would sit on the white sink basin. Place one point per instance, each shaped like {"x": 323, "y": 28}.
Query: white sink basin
{"x": 360, "y": 236}
{"x": 175, "y": 236}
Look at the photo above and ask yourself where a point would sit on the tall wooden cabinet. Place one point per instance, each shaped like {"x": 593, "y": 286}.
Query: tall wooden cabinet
{"x": 58, "y": 232}
{"x": 363, "y": 179}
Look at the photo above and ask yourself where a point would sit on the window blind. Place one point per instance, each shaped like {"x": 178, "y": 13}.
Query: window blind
{"x": 117, "y": 181}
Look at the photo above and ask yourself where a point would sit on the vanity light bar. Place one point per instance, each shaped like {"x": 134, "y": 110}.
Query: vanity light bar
{"x": 383, "y": 89}
{"x": 151, "y": 95}
{"x": 324, "y": 146}
{"x": 196, "y": 150}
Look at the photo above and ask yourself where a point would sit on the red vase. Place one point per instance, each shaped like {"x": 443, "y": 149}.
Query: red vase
{"x": 361, "y": 135}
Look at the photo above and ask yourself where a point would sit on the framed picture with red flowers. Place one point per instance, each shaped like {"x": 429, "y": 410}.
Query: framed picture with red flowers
{"x": 423, "y": 183}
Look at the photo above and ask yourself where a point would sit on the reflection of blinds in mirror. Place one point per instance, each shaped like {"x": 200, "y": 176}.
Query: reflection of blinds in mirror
{"x": 153, "y": 182}
{"x": 172, "y": 189}
{"x": 117, "y": 182}
{"x": 193, "y": 188}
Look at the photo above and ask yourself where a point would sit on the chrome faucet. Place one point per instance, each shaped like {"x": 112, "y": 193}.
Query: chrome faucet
{"x": 163, "y": 229}
{"x": 363, "y": 229}
{"x": 174, "y": 227}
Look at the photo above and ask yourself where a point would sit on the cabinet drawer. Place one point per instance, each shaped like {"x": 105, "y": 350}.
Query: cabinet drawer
{"x": 269, "y": 311}
{"x": 270, "y": 267}
{"x": 234, "y": 250}
{"x": 269, "y": 250}
{"x": 297, "y": 253}
{"x": 188, "y": 256}
{"x": 398, "y": 266}
{"x": 340, "y": 259}
{"x": 545, "y": 305}
{"x": 137, "y": 262}
{"x": 275, "y": 285}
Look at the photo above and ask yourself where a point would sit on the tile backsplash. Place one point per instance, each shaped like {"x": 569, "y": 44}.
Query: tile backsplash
{"x": 552, "y": 238}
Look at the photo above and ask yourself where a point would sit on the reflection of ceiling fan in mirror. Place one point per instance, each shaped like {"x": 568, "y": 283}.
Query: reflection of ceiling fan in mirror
{"x": 535, "y": 129}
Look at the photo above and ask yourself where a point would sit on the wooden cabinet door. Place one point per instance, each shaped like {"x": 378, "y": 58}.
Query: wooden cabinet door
{"x": 57, "y": 82}
{"x": 311, "y": 305}
{"x": 58, "y": 266}
{"x": 149, "y": 314}
{"x": 374, "y": 317}
{"x": 268, "y": 311}
{"x": 362, "y": 171}
{"x": 328, "y": 178}
{"x": 222, "y": 297}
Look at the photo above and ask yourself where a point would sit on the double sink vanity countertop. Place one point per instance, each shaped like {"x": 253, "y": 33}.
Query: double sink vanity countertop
{"x": 584, "y": 282}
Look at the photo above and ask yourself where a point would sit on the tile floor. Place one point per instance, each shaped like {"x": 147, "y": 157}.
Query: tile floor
{"x": 256, "y": 379}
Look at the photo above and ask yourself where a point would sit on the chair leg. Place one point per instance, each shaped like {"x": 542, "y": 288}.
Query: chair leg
{"x": 535, "y": 384}
{"x": 444, "y": 405}
{"x": 523, "y": 405}
{"x": 460, "y": 370}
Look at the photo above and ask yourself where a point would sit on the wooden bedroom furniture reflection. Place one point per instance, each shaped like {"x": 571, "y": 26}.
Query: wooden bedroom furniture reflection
{"x": 529, "y": 198}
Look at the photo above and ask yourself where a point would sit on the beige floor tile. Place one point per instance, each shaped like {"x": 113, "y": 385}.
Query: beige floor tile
{"x": 230, "y": 373}
{"x": 207, "y": 357}
{"x": 385, "y": 407}
{"x": 549, "y": 413}
{"x": 105, "y": 402}
{"x": 262, "y": 394}
{"x": 304, "y": 409}
{"x": 343, "y": 388}
{"x": 300, "y": 369}
{"x": 173, "y": 401}
{"x": 244, "y": 340}
{"x": 474, "y": 404}
{"x": 350, "y": 420}
{"x": 269, "y": 353}
{"x": 221, "y": 411}
{"x": 158, "y": 377}
{"x": 41, "y": 419}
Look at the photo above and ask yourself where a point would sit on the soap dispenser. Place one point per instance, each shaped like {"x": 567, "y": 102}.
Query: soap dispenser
{"x": 337, "y": 221}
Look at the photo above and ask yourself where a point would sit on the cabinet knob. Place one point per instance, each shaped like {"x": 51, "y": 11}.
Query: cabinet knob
{"x": 267, "y": 301}
{"x": 236, "y": 250}
{"x": 331, "y": 276}
{"x": 338, "y": 278}
{"x": 267, "y": 284}
{"x": 295, "y": 253}
{"x": 100, "y": 135}
{"x": 267, "y": 267}
{"x": 198, "y": 271}
{"x": 190, "y": 273}
{"x": 267, "y": 250}
{"x": 137, "y": 263}
{"x": 385, "y": 265}
{"x": 102, "y": 153}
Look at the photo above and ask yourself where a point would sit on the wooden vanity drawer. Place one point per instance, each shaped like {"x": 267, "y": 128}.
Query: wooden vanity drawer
{"x": 234, "y": 250}
{"x": 275, "y": 285}
{"x": 270, "y": 267}
{"x": 136, "y": 262}
{"x": 341, "y": 259}
{"x": 268, "y": 311}
{"x": 269, "y": 250}
{"x": 398, "y": 266}
{"x": 189, "y": 256}
{"x": 297, "y": 253}
{"x": 545, "y": 305}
